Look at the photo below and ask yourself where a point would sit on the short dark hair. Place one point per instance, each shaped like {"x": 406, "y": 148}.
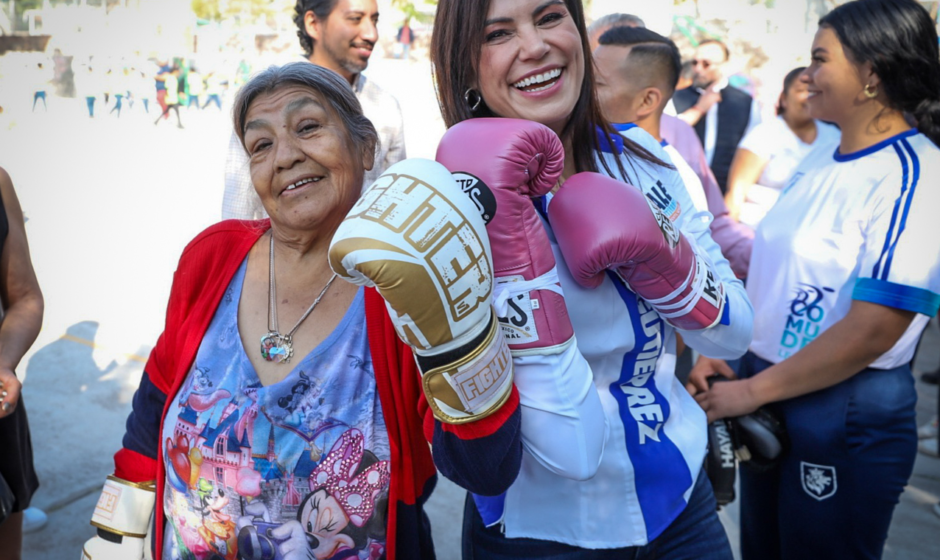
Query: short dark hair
{"x": 649, "y": 48}
{"x": 724, "y": 47}
{"x": 328, "y": 84}
{"x": 788, "y": 82}
{"x": 320, "y": 8}
{"x": 899, "y": 40}
{"x": 615, "y": 20}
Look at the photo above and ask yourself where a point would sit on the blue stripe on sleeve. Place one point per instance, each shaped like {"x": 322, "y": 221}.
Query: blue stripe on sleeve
{"x": 915, "y": 162}
{"x": 726, "y": 315}
{"x": 894, "y": 214}
{"x": 897, "y": 296}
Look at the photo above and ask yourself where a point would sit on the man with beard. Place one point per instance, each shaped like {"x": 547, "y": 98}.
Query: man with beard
{"x": 339, "y": 35}
{"x": 721, "y": 114}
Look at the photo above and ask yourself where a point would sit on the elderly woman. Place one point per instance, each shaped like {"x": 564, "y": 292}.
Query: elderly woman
{"x": 311, "y": 444}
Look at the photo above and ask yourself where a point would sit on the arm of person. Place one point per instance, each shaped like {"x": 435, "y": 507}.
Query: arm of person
{"x": 136, "y": 461}
{"x": 731, "y": 336}
{"x": 239, "y": 200}
{"x": 124, "y": 514}
{"x": 755, "y": 117}
{"x": 896, "y": 281}
{"x": 698, "y": 111}
{"x": 849, "y": 346}
{"x": 735, "y": 239}
{"x": 483, "y": 456}
{"x": 563, "y": 422}
{"x": 21, "y": 296}
{"x": 746, "y": 169}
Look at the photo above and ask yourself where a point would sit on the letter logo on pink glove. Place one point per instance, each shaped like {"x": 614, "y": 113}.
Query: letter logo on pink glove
{"x": 502, "y": 164}
{"x": 670, "y": 233}
{"x": 481, "y": 195}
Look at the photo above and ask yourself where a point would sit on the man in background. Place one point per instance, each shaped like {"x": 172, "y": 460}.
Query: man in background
{"x": 637, "y": 71}
{"x": 339, "y": 35}
{"x": 721, "y": 114}
{"x": 405, "y": 38}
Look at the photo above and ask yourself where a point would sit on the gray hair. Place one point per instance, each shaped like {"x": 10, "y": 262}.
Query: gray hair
{"x": 328, "y": 84}
{"x": 615, "y": 20}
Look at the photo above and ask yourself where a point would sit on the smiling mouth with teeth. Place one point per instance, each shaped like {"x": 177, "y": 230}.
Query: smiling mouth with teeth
{"x": 539, "y": 82}
{"x": 301, "y": 183}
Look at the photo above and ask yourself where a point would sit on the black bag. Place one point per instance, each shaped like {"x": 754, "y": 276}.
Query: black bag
{"x": 6, "y": 499}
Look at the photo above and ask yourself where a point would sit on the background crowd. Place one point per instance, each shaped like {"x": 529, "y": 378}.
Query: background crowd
{"x": 751, "y": 128}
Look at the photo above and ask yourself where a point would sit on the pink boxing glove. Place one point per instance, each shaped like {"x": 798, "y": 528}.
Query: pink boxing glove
{"x": 502, "y": 164}
{"x": 604, "y": 224}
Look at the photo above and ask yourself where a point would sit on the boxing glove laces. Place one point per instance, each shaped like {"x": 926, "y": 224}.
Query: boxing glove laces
{"x": 504, "y": 164}
{"x": 604, "y": 224}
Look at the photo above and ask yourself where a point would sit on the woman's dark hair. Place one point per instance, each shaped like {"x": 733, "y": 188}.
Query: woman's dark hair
{"x": 899, "y": 40}
{"x": 455, "y": 56}
{"x": 328, "y": 84}
{"x": 788, "y": 82}
{"x": 321, "y": 9}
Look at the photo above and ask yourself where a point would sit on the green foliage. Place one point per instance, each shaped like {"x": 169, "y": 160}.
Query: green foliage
{"x": 207, "y": 9}
{"x": 23, "y": 5}
{"x": 408, "y": 7}
{"x": 254, "y": 9}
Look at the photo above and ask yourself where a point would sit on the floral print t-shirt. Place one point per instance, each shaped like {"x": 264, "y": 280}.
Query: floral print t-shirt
{"x": 294, "y": 470}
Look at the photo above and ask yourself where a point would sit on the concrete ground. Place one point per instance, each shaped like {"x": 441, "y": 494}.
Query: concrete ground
{"x": 110, "y": 205}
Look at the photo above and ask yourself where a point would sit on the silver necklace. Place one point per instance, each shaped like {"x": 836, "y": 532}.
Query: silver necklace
{"x": 277, "y": 347}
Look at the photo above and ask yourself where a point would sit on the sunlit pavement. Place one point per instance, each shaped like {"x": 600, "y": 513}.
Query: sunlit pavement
{"x": 110, "y": 204}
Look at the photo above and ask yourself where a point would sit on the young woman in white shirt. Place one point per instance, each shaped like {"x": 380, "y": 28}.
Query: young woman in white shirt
{"x": 768, "y": 154}
{"x": 844, "y": 277}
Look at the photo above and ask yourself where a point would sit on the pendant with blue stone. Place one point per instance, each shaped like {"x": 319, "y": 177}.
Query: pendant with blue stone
{"x": 276, "y": 348}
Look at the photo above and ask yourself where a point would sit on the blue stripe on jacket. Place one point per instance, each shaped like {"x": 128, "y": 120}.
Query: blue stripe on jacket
{"x": 915, "y": 162}
{"x": 661, "y": 473}
{"x": 894, "y": 213}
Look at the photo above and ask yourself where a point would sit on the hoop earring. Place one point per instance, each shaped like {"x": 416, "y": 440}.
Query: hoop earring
{"x": 472, "y": 105}
{"x": 870, "y": 92}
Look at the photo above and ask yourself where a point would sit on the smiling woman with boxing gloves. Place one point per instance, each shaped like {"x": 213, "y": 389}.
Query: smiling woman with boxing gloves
{"x": 632, "y": 263}
{"x": 309, "y": 360}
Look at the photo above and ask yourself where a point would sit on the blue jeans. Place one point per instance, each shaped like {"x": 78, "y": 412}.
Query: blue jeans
{"x": 213, "y": 98}
{"x": 852, "y": 449}
{"x": 696, "y": 534}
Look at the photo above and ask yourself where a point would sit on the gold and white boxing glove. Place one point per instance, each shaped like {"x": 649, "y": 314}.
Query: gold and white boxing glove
{"x": 417, "y": 238}
{"x": 123, "y": 518}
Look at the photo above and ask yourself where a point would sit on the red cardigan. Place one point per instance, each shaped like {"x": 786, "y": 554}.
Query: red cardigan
{"x": 482, "y": 456}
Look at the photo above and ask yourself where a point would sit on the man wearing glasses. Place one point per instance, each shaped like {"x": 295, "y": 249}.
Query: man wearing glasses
{"x": 721, "y": 114}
